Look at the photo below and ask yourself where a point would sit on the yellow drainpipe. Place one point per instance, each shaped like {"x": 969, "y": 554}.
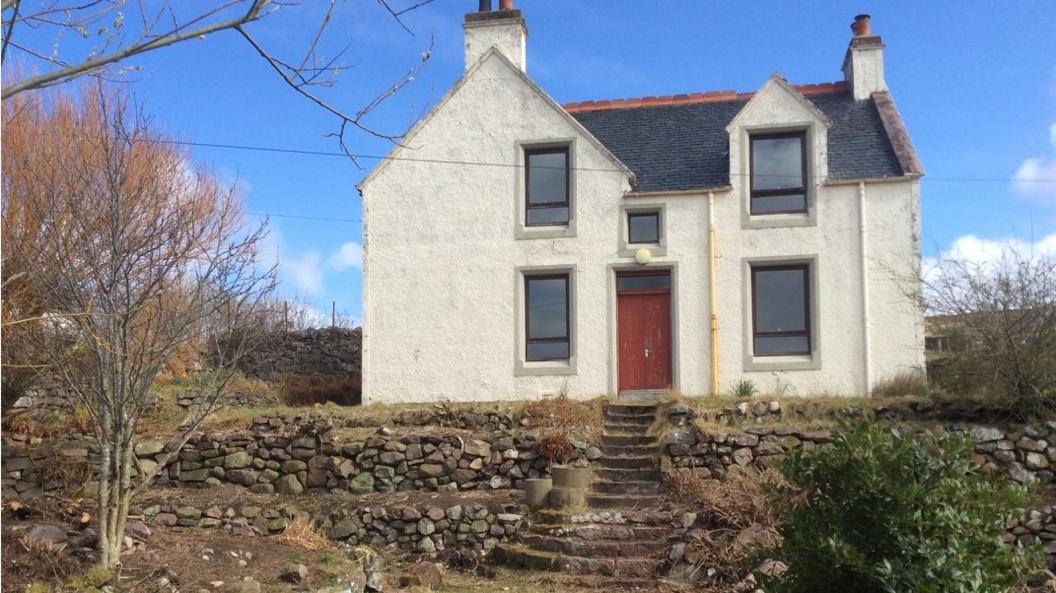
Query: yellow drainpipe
{"x": 713, "y": 303}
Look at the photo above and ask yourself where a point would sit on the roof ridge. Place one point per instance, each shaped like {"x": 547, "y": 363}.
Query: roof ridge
{"x": 694, "y": 98}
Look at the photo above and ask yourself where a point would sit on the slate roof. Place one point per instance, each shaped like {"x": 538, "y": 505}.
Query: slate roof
{"x": 685, "y": 146}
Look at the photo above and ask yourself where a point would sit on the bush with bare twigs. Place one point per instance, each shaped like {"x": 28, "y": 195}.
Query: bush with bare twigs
{"x": 738, "y": 520}
{"x": 562, "y": 412}
{"x": 555, "y": 448}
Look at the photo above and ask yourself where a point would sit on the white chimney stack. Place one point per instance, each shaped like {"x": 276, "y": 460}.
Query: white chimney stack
{"x": 863, "y": 66}
{"x": 502, "y": 29}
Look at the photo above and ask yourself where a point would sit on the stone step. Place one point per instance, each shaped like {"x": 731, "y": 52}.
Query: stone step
{"x": 594, "y": 548}
{"x": 631, "y": 409}
{"x": 628, "y": 517}
{"x": 622, "y": 501}
{"x": 602, "y": 531}
{"x": 633, "y": 450}
{"x": 634, "y": 429}
{"x": 606, "y": 487}
{"x": 643, "y": 421}
{"x": 523, "y": 557}
{"x": 634, "y": 475}
{"x": 624, "y": 440}
{"x": 629, "y": 462}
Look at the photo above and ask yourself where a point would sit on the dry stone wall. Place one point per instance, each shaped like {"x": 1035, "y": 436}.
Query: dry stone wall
{"x": 421, "y": 527}
{"x": 329, "y": 351}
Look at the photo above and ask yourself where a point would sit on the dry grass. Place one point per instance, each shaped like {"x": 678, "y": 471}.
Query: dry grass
{"x": 257, "y": 389}
{"x": 58, "y": 423}
{"x": 71, "y": 472}
{"x": 904, "y": 383}
{"x": 564, "y": 413}
{"x": 739, "y": 501}
{"x": 555, "y": 448}
{"x": 302, "y": 534}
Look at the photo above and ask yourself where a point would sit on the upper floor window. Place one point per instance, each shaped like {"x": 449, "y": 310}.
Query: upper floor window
{"x": 781, "y": 310}
{"x": 546, "y": 311}
{"x": 643, "y": 227}
{"x": 546, "y": 185}
{"x": 778, "y": 173}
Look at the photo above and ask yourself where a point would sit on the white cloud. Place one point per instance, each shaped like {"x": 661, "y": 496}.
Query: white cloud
{"x": 349, "y": 255}
{"x": 980, "y": 251}
{"x": 306, "y": 271}
{"x": 1036, "y": 176}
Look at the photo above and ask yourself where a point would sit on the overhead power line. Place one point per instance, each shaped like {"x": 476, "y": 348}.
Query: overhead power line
{"x": 306, "y": 152}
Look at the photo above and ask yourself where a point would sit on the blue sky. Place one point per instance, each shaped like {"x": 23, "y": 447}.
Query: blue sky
{"x": 975, "y": 82}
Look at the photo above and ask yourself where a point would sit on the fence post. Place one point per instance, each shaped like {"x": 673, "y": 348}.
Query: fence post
{"x": 333, "y": 314}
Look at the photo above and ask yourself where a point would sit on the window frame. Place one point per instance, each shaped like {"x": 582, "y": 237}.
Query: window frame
{"x": 807, "y": 303}
{"x": 567, "y": 204}
{"x": 657, "y": 213}
{"x": 567, "y": 338}
{"x": 769, "y": 193}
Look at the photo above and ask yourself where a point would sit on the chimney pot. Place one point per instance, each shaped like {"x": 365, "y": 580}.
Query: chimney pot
{"x": 484, "y": 6}
{"x": 861, "y": 26}
{"x": 505, "y": 4}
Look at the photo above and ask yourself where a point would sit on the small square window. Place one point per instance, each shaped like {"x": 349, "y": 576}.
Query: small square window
{"x": 546, "y": 186}
{"x": 643, "y": 227}
{"x": 778, "y": 173}
{"x": 781, "y": 310}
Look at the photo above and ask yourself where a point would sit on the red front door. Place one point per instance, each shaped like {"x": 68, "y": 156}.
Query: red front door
{"x": 644, "y": 328}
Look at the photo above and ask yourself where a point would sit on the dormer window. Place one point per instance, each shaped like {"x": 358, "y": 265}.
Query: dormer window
{"x": 778, "y": 173}
{"x": 547, "y": 186}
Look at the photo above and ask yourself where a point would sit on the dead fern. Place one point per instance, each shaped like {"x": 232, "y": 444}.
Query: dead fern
{"x": 555, "y": 448}
{"x": 302, "y": 534}
{"x": 564, "y": 413}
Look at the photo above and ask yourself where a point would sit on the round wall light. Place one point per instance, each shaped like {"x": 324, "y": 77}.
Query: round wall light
{"x": 643, "y": 256}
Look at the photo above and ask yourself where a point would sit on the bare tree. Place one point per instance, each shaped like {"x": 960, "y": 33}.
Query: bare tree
{"x": 98, "y": 37}
{"x": 1000, "y": 318}
{"x": 131, "y": 252}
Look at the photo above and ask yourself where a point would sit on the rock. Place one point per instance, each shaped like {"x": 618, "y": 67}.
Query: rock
{"x": 742, "y": 408}
{"x": 426, "y": 545}
{"x": 426, "y": 526}
{"x": 245, "y": 477}
{"x": 476, "y": 448}
{"x": 371, "y": 563}
{"x": 744, "y": 440}
{"x": 288, "y": 484}
{"x": 461, "y": 476}
{"x": 138, "y": 530}
{"x": 361, "y": 484}
{"x": 44, "y": 536}
{"x": 293, "y": 466}
{"x": 1020, "y": 474}
{"x": 454, "y": 513}
{"x": 238, "y": 460}
{"x": 594, "y": 453}
{"x": 343, "y": 529}
{"x": 687, "y": 437}
{"x": 188, "y": 512}
{"x": 985, "y": 434}
{"x": 1037, "y": 461}
{"x": 295, "y": 574}
{"x": 774, "y": 407}
{"x": 431, "y": 469}
{"x": 391, "y": 457}
{"x": 149, "y": 448}
{"x": 166, "y": 519}
{"x": 425, "y": 574}
{"x": 742, "y": 456}
{"x": 196, "y": 475}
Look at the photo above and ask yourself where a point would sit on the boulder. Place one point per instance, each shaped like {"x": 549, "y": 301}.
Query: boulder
{"x": 295, "y": 574}
{"x": 45, "y": 535}
{"x": 361, "y": 484}
{"x": 476, "y": 448}
{"x": 149, "y": 448}
{"x": 238, "y": 460}
{"x": 423, "y": 574}
{"x": 288, "y": 484}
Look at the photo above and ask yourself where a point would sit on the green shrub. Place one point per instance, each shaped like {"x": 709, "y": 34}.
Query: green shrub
{"x": 743, "y": 388}
{"x": 881, "y": 511}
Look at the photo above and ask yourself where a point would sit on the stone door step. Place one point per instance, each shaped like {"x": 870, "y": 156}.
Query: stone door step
{"x": 650, "y": 395}
{"x": 631, "y": 409}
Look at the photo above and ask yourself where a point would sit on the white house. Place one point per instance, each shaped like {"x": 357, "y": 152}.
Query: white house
{"x": 515, "y": 247}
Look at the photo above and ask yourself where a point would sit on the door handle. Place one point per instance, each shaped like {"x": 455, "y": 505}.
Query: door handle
{"x": 647, "y": 353}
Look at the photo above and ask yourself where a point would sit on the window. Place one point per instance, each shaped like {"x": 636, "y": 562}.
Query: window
{"x": 546, "y": 317}
{"x": 779, "y": 173}
{"x": 643, "y": 227}
{"x": 546, "y": 186}
{"x": 781, "y": 310}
